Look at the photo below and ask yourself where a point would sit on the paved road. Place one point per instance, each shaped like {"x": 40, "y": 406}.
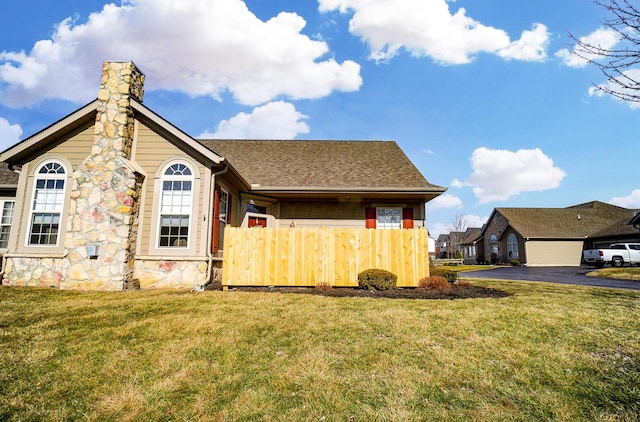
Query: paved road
{"x": 562, "y": 275}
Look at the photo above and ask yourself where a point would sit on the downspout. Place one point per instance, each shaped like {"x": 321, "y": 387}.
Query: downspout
{"x": 210, "y": 224}
{"x": 17, "y": 170}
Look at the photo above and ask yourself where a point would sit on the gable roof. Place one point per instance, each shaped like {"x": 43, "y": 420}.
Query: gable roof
{"x": 471, "y": 235}
{"x": 263, "y": 165}
{"x": 591, "y": 219}
{"x": 362, "y": 166}
{"x": 85, "y": 116}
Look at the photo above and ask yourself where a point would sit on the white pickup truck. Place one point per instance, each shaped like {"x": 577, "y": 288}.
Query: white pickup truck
{"x": 617, "y": 255}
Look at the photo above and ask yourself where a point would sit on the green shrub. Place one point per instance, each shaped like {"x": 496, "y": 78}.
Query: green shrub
{"x": 451, "y": 276}
{"x": 375, "y": 279}
{"x": 434, "y": 282}
{"x": 514, "y": 262}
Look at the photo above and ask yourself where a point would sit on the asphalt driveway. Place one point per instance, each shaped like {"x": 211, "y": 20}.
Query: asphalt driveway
{"x": 561, "y": 275}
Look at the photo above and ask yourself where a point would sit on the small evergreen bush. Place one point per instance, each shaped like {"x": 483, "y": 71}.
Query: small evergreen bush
{"x": 515, "y": 262}
{"x": 375, "y": 279}
{"x": 434, "y": 282}
{"x": 451, "y": 276}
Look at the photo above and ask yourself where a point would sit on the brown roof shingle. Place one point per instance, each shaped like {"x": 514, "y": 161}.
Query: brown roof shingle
{"x": 580, "y": 221}
{"x": 7, "y": 177}
{"x": 322, "y": 164}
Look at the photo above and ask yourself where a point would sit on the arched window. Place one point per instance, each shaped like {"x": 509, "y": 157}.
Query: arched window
{"x": 512, "y": 246}
{"x": 176, "y": 206}
{"x": 46, "y": 207}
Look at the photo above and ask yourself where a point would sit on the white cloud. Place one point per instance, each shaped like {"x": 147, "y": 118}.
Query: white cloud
{"x": 531, "y": 46}
{"x": 429, "y": 28}
{"x": 438, "y": 228}
{"x": 475, "y": 220}
{"x": 602, "y": 37}
{"x": 444, "y": 201}
{"x": 630, "y": 201}
{"x": 499, "y": 174}
{"x": 197, "y": 47}
{"x": 627, "y": 77}
{"x": 276, "y": 120}
{"x": 9, "y": 134}
{"x": 457, "y": 183}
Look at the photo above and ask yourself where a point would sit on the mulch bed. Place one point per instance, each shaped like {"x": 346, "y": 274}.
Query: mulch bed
{"x": 456, "y": 292}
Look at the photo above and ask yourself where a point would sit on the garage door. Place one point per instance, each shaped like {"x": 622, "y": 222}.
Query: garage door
{"x": 554, "y": 253}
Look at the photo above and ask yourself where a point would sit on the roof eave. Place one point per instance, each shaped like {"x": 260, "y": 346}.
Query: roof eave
{"x": 555, "y": 237}
{"x": 349, "y": 189}
{"x": 46, "y": 135}
{"x": 175, "y": 132}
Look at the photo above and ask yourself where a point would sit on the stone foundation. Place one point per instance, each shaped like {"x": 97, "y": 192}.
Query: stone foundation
{"x": 34, "y": 272}
{"x": 147, "y": 274}
{"x": 152, "y": 274}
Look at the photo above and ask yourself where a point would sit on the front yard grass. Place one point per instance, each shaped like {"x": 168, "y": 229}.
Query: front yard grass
{"x": 547, "y": 352}
{"x": 625, "y": 273}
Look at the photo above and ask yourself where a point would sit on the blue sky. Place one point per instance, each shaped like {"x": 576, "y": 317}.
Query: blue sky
{"x": 485, "y": 98}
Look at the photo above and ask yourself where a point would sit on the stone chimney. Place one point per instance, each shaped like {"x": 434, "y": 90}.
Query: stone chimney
{"x": 103, "y": 215}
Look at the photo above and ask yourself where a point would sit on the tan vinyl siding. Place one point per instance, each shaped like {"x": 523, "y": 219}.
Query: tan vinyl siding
{"x": 331, "y": 214}
{"x": 550, "y": 253}
{"x": 73, "y": 151}
{"x": 322, "y": 210}
{"x": 77, "y": 148}
{"x": 152, "y": 151}
{"x": 329, "y": 223}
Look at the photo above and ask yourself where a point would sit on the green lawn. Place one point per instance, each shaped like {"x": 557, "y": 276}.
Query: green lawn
{"x": 625, "y": 273}
{"x": 547, "y": 352}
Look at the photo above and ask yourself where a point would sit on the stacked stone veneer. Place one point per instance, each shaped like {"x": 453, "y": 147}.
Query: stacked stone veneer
{"x": 174, "y": 274}
{"x": 105, "y": 189}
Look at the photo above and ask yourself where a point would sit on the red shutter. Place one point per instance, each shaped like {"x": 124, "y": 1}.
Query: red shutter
{"x": 216, "y": 219}
{"x": 407, "y": 218}
{"x": 370, "y": 217}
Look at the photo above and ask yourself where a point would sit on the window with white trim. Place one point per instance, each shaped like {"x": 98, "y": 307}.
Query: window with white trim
{"x": 512, "y": 246}
{"x": 46, "y": 207}
{"x": 5, "y": 222}
{"x": 176, "y": 206}
{"x": 389, "y": 218}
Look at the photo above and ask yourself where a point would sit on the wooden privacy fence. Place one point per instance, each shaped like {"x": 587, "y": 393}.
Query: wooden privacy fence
{"x": 321, "y": 256}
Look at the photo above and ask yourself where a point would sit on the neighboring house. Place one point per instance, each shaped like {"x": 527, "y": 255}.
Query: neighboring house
{"x": 441, "y": 245}
{"x": 449, "y": 245}
{"x": 554, "y": 236}
{"x": 454, "y": 244}
{"x": 113, "y": 195}
{"x": 635, "y": 221}
{"x": 432, "y": 248}
{"x": 472, "y": 246}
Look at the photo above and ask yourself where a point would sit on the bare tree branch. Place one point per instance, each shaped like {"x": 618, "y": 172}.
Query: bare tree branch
{"x": 457, "y": 228}
{"x": 617, "y": 63}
